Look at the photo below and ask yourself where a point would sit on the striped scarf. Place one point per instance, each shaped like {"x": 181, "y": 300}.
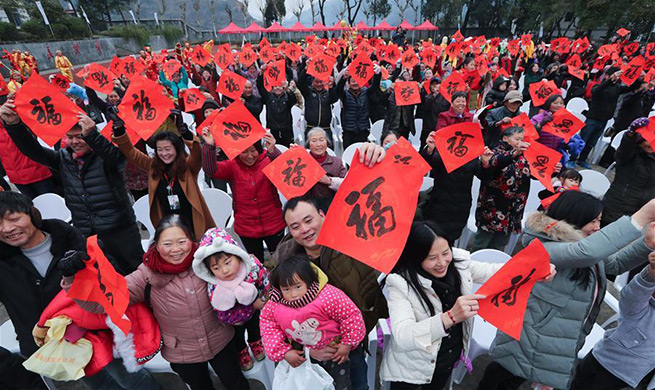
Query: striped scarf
{"x": 310, "y": 295}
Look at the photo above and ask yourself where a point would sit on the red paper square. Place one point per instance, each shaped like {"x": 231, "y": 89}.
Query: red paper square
{"x": 235, "y": 129}
{"x": 406, "y": 93}
{"x": 231, "y": 85}
{"x": 144, "y": 107}
{"x": 294, "y": 172}
{"x": 542, "y": 160}
{"x": 564, "y": 124}
{"x": 458, "y": 144}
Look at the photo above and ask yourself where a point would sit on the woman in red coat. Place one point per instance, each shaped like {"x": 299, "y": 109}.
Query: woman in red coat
{"x": 256, "y": 202}
{"x": 458, "y": 112}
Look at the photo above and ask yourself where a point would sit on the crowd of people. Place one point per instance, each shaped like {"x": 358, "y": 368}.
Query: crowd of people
{"x": 205, "y": 287}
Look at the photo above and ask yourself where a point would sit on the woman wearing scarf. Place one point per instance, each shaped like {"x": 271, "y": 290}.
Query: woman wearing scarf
{"x": 192, "y": 334}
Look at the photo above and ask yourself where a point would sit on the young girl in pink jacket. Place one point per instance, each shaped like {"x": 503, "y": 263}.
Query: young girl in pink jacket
{"x": 301, "y": 312}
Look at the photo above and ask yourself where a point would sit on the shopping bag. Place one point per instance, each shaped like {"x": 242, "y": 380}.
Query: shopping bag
{"x": 58, "y": 359}
{"x": 306, "y": 376}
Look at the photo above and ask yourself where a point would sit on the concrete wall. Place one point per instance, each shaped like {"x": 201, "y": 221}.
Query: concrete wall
{"x": 90, "y": 50}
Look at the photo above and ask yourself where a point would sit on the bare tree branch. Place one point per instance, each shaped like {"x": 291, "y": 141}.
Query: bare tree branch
{"x": 298, "y": 8}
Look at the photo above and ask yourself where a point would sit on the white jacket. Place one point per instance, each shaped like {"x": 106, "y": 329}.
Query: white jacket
{"x": 415, "y": 336}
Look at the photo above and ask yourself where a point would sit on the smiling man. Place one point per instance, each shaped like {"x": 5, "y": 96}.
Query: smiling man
{"x": 357, "y": 280}
{"x": 91, "y": 170}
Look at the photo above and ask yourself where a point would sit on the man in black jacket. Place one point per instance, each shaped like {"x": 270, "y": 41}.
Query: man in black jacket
{"x": 318, "y": 100}
{"x": 91, "y": 170}
{"x": 601, "y": 109}
{"x": 32, "y": 251}
{"x": 355, "y": 107}
{"x": 279, "y": 103}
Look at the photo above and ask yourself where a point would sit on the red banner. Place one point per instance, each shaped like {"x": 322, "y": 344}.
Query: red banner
{"x": 409, "y": 59}
{"x": 224, "y": 58}
{"x": 274, "y": 74}
{"x": 542, "y": 160}
{"x": 507, "y": 292}
{"x": 60, "y": 81}
{"x": 235, "y": 129}
{"x": 45, "y": 110}
{"x": 144, "y": 107}
{"x": 564, "y": 124}
{"x": 541, "y": 91}
{"x": 294, "y": 172}
{"x": 372, "y": 212}
{"x": 231, "y": 85}
{"x": 321, "y": 66}
{"x": 530, "y": 133}
{"x": 407, "y": 93}
{"x": 100, "y": 79}
{"x": 200, "y": 56}
{"x": 130, "y": 68}
{"x": 361, "y": 69}
{"x": 458, "y": 144}
{"x": 452, "y": 84}
{"x": 632, "y": 70}
{"x": 99, "y": 282}
{"x": 171, "y": 67}
{"x": 193, "y": 99}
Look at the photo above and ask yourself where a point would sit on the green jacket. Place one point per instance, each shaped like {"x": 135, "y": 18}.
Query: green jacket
{"x": 560, "y": 314}
{"x": 357, "y": 280}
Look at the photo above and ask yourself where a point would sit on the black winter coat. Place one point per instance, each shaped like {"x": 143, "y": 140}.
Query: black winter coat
{"x": 433, "y": 105}
{"x": 495, "y": 96}
{"x": 95, "y": 193}
{"x": 355, "y": 108}
{"x": 449, "y": 202}
{"x": 603, "y": 100}
{"x": 378, "y": 103}
{"x": 278, "y": 108}
{"x": 634, "y": 182}
{"x": 318, "y": 109}
{"x": 23, "y": 291}
{"x": 634, "y": 105}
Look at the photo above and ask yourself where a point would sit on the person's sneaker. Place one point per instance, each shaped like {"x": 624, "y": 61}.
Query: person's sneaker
{"x": 584, "y": 164}
{"x": 258, "y": 350}
{"x": 245, "y": 361}
{"x": 570, "y": 164}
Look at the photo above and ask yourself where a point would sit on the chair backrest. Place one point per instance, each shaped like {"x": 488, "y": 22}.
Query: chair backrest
{"x": 594, "y": 183}
{"x": 262, "y": 117}
{"x": 281, "y": 148}
{"x": 201, "y": 180}
{"x": 577, "y": 104}
{"x": 336, "y": 109}
{"x": 616, "y": 142}
{"x": 219, "y": 204}
{"x": 331, "y": 152}
{"x": 533, "y": 201}
{"x": 525, "y": 107}
{"x": 142, "y": 212}
{"x": 349, "y": 153}
{"x": 52, "y": 206}
{"x": 376, "y": 130}
{"x": 428, "y": 182}
{"x": 489, "y": 256}
{"x": 579, "y": 115}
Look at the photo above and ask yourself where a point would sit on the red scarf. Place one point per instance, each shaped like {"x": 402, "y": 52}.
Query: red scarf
{"x": 153, "y": 260}
{"x": 319, "y": 159}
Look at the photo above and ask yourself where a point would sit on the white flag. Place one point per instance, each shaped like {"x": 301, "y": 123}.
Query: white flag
{"x": 40, "y": 7}
{"x": 156, "y": 19}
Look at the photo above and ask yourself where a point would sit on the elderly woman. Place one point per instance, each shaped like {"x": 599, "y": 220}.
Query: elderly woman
{"x": 335, "y": 171}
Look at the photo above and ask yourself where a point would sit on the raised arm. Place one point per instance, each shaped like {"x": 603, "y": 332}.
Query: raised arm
{"x": 636, "y": 296}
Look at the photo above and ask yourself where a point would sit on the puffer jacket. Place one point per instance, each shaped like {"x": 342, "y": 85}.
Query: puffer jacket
{"x": 399, "y": 117}
{"x": 560, "y": 314}
{"x": 492, "y": 132}
{"x": 356, "y": 279}
{"x": 433, "y": 106}
{"x": 495, "y": 96}
{"x": 449, "y": 202}
{"x": 355, "y": 107}
{"x": 23, "y": 291}
{"x": 411, "y": 355}
{"x": 190, "y": 330}
{"x": 603, "y": 99}
{"x": 278, "y": 108}
{"x": 634, "y": 182}
{"x": 545, "y": 138}
{"x": 318, "y": 112}
{"x": 20, "y": 168}
{"x": 256, "y": 203}
{"x": 94, "y": 192}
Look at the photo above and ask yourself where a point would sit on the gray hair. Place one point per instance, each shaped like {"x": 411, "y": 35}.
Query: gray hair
{"x": 510, "y": 131}
{"x": 316, "y": 130}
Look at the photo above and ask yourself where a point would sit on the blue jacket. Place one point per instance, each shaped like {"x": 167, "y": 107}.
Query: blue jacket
{"x": 173, "y": 86}
{"x": 628, "y": 351}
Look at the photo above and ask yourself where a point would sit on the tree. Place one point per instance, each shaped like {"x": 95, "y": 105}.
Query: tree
{"x": 379, "y": 9}
{"x": 212, "y": 13}
{"x": 321, "y": 10}
{"x": 99, "y": 10}
{"x": 415, "y": 5}
{"x": 298, "y": 8}
{"x": 137, "y": 10}
{"x": 402, "y": 7}
{"x": 228, "y": 11}
{"x": 312, "y": 8}
{"x": 196, "y": 8}
{"x": 352, "y": 9}
{"x": 261, "y": 6}
{"x": 274, "y": 11}
{"x": 164, "y": 5}
{"x": 243, "y": 7}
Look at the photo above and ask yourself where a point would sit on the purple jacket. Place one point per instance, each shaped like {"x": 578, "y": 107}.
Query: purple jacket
{"x": 552, "y": 141}
{"x": 335, "y": 169}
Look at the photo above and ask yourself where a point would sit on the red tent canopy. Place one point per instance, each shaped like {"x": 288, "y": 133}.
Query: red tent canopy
{"x": 384, "y": 26}
{"x": 337, "y": 27}
{"x": 426, "y": 26}
{"x": 299, "y": 27}
{"x": 232, "y": 29}
{"x": 406, "y": 25}
{"x": 276, "y": 27}
{"x": 361, "y": 26}
{"x": 254, "y": 28}
{"x": 318, "y": 27}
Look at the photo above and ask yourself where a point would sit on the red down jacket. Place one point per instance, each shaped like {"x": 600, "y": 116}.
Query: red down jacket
{"x": 19, "y": 167}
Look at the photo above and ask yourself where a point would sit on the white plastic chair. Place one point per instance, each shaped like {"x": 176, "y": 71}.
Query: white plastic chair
{"x": 483, "y": 332}
{"x": 601, "y": 145}
{"x": 262, "y": 117}
{"x": 52, "y": 206}
{"x": 579, "y": 115}
{"x": 577, "y": 104}
{"x": 594, "y": 183}
{"x": 531, "y": 205}
{"x": 349, "y": 153}
{"x": 142, "y": 212}
{"x": 336, "y": 111}
{"x": 470, "y": 229}
{"x": 415, "y": 139}
{"x": 8, "y": 338}
{"x": 281, "y": 148}
{"x": 219, "y": 204}
{"x": 525, "y": 107}
{"x": 616, "y": 142}
{"x": 428, "y": 182}
{"x": 376, "y": 131}
{"x": 202, "y": 184}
